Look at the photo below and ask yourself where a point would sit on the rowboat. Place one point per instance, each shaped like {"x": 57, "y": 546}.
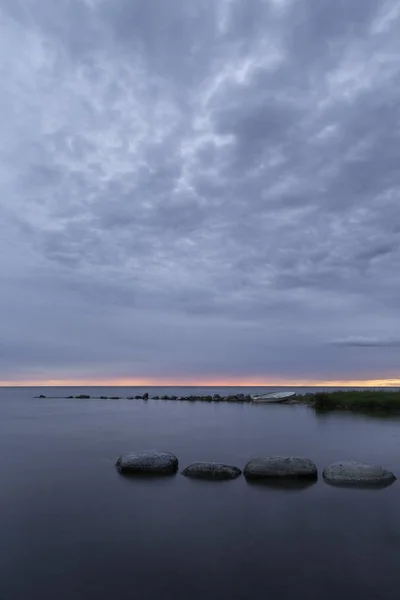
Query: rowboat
{"x": 272, "y": 397}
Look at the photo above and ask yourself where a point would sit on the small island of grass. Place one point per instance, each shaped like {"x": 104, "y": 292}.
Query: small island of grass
{"x": 357, "y": 399}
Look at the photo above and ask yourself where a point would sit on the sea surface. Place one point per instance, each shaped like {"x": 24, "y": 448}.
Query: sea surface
{"x": 72, "y": 528}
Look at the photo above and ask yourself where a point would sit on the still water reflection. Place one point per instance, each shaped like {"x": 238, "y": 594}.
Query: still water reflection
{"x": 72, "y": 528}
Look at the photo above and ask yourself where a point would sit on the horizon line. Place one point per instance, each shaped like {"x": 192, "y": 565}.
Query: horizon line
{"x": 385, "y": 382}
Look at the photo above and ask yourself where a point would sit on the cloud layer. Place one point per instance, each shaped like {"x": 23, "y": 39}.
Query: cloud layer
{"x": 199, "y": 189}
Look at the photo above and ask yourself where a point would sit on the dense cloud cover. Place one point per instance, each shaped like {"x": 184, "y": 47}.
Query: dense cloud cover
{"x": 199, "y": 190}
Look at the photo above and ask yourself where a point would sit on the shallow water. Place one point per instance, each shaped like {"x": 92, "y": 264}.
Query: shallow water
{"x": 73, "y": 528}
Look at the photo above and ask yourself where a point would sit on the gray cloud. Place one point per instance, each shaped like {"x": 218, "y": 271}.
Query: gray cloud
{"x": 201, "y": 190}
{"x": 365, "y": 342}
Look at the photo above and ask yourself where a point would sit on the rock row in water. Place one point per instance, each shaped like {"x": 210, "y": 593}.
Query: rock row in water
{"x": 214, "y": 398}
{"x": 266, "y": 468}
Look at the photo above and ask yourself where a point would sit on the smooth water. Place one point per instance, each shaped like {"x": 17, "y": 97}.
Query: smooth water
{"x": 72, "y": 528}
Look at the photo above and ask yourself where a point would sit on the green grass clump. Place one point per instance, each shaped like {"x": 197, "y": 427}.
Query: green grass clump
{"x": 354, "y": 399}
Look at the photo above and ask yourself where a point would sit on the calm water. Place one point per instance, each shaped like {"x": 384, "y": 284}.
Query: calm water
{"x": 73, "y": 529}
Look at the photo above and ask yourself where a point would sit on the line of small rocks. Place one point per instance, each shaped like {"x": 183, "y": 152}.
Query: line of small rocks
{"x": 213, "y": 398}
{"x": 267, "y": 469}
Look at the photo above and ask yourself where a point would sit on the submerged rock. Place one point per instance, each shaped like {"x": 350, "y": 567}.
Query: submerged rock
{"x": 277, "y": 467}
{"x": 211, "y": 470}
{"x": 353, "y": 473}
{"x": 153, "y": 462}
{"x": 82, "y": 397}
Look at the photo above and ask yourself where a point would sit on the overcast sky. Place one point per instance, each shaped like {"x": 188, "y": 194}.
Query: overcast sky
{"x": 199, "y": 190}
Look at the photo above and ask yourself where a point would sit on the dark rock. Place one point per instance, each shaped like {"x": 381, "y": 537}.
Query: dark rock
{"x": 217, "y": 397}
{"x": 41, "y": 396}
{"x": 115, "y": 398}
{"x": 145, "y": 396}
{"x": 103, "y": 397}
{"x": 211, "y": 470}
{"x": 82, "y": 397}
{"x": 156, "y": 397}
{"x": 130, "y": 398}
{"x": 353, "y": 473}
{"x": 164, "y": 397}
{"x": 173, "y": 397}
{"x": 152, "y": 462}
{"x": 276, "y": 467}
{"x": 138, "y": 397}
{"x": 239, "y": 395}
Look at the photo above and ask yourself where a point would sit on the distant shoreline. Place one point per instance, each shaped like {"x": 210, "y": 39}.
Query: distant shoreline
{"x": 344, "y": 400}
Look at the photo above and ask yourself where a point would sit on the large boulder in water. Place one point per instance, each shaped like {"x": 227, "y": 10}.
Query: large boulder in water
{"x": 280, "y": 467}
{"x": 353, "y": 473}
{"x": 211, "y": 470}
{"x": 152, "y": 462}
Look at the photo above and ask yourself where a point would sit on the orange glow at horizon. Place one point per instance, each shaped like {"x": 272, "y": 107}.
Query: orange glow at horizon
{"x": 239, "y": 382}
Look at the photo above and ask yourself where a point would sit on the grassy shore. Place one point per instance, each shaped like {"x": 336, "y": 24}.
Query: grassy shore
{"x": 354, "y": 399}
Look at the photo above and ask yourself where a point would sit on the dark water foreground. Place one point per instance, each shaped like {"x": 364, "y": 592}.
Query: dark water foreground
{"x": 73, "y": 529}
